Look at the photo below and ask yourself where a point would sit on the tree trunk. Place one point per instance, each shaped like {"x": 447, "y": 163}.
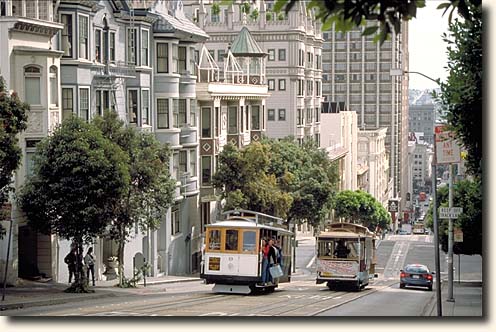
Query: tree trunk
{"x": 80, "y": 284}
{"x": 120, "y": 256}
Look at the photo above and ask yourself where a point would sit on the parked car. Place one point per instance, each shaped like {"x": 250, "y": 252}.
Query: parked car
{"x": 416, "y": 275}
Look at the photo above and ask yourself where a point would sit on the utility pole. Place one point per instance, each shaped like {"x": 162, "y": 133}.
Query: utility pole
{"x": 436, "y": 238}
{"x": 450, "y": 238}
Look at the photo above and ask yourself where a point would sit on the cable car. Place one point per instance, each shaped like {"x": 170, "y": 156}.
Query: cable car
{"x": 232, "y": 252}
{"x": 346, "y": 255}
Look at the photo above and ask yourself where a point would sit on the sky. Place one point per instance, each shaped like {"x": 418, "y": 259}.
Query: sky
{"x": 426, "y": 47}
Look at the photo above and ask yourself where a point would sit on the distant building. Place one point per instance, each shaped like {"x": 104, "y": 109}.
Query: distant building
{"x": 421, "y": 118}
{"x": 339, "y": 136}
{"x": 372, "y": 155}
{"x": 356, "y": 70}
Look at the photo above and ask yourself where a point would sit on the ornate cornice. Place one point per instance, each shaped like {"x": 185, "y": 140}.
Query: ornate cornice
{"x": 36, "y": 27}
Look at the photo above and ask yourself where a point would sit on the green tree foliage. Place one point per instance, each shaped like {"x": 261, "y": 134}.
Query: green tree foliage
{"x": 78, "y": 179}
{"x": 277, "y": 177}
{"x": 361, "y": 208}
{"x": 13, "y": 120}
{"x": 461, "y": 94}
{"x": 149, "y": 190}
{"x": 467, "y": 194}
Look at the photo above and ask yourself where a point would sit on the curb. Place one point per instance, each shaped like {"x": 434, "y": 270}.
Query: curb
{"x": 22, "y": 305}
{"x": 173, "y": 281}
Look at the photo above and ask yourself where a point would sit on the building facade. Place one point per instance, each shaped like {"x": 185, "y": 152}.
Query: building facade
{"x": 293, "y": 45}
{"x": 80, "y": 58}
{"x": 340, "y": 132}
{"x": 232, "y": 104}
{"x": 357, "y": 71}
{"x": 372, "y": 156}
{"x": 421, "y": 118}
{"x": 30, "y": 66}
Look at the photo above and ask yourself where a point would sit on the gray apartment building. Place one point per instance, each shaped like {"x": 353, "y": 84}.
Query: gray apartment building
{"x": 421, "y": 119}
{"x": 357, "y": 71}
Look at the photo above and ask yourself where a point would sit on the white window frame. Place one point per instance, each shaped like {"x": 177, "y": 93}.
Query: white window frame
{"x": 101, "y": 45}
{"x": 136, "y": 48}
{"x": 39, "y": 76}
{"x": 88, "y": 42}
{"x": 283, "y": 81}
{"x": 128, "y": 106}
{"x": 75, "y": 106}
{"x": 73, "y": 33}
{"x": 168, "y": 63}
{"x": 271, "y": 84}
{"x": 168, "y": 125}
{"x": 88, "y": 88}
{"x": 147, "y": 64}
{"x": 111, "y": 58}
{"x": 52, "y": 88}
{"x": 272, "y": 54}
{"x": 142, "y": 104}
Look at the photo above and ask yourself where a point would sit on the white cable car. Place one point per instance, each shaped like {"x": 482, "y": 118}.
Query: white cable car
{"x": 346, "y": 256}
{"x": 232, "y": 254}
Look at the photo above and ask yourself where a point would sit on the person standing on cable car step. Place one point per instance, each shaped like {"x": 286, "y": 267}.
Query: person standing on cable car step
{"x": 272, "y": 256}
{"x": 265, "y": 260}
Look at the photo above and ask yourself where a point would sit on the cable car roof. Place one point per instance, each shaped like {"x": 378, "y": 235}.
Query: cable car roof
{"x": 240, "y": 222}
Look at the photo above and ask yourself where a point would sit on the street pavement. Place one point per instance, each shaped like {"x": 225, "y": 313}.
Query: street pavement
{"x": 467, "y": 293}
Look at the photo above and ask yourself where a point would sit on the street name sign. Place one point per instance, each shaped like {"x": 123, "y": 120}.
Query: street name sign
{"x": 450, "y": 213}
{"x": 446, "y": 147}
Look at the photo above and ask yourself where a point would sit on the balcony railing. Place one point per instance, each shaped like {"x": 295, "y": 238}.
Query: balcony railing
{"x": 117, "y": 69}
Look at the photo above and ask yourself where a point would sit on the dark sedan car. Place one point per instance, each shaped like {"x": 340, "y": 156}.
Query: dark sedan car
{"x": 416, "y": 275}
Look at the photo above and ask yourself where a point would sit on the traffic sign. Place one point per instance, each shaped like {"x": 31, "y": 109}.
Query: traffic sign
{"x": 450, "y": 213}
{"x": 446, "y": 148}
{"x": 458, "y": 234}
{"x": 393, "y": 206}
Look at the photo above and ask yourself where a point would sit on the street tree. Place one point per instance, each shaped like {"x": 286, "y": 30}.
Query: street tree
{"x": 245, "y": 183}
{"x": 149, "y": 190}
{"x": 278, "y": 177}
{"x": 13, "y": 120}
{"x": 78, "y": 179}
{"x": 461, "y": 94}
{"x": 308, "y": 175}
{"x": 468, "y": 195}
{"x": 360, "y": 207}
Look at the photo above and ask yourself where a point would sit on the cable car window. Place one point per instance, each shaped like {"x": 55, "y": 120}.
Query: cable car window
{"x": 231, "y": 239}
{"x": 214, "y": 239}
{"x": 249, "y": 240}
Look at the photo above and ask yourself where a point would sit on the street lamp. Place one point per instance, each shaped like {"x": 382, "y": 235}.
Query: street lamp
{"x": 401, "y": 72}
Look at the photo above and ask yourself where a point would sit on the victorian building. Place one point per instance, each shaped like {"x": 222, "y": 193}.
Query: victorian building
{"x": 293, "y": 45}
{"x": 79, "y": 58}
{"x": 30, "y": 65}
{"x": 232, "y": 103}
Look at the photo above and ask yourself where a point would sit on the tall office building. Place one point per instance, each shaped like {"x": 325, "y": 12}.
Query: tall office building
{"x": 357, "y": 71}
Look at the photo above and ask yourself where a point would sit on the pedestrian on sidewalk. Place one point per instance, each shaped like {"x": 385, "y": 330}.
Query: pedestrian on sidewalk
{"x": 70, "y": 260}
{"x": 89, "y": 262}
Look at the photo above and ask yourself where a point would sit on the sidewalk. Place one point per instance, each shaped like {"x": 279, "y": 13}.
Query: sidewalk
{"x": 32, "y": 294}
{"x": 468, "y": 300}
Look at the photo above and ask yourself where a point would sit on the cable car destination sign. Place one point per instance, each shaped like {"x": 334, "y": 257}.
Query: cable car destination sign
{"x": 447, "y": 149}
